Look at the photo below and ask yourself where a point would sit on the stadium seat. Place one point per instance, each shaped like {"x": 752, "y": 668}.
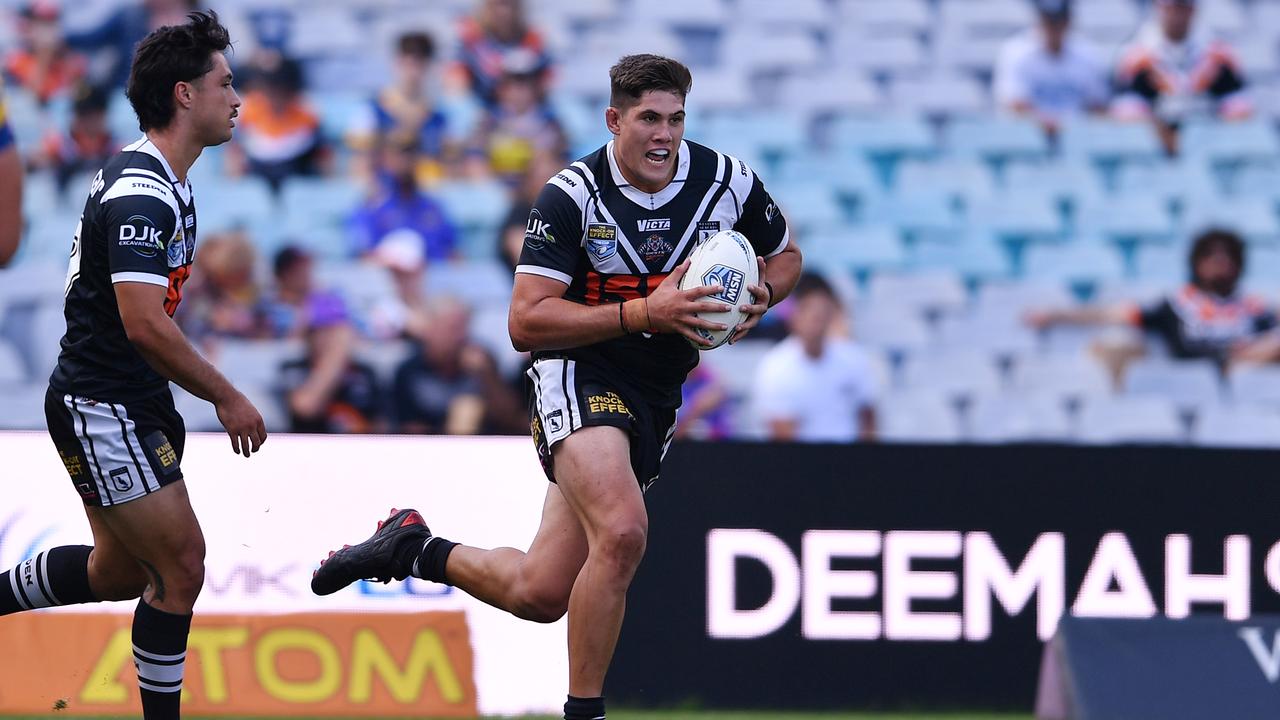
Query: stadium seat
{"x": 808, "y": 205}
{"x": 975, "y": 54}
{"x": 1008, "y": 300}
{"x": 241, "y": 203}
{"x": 851, "y": 177}
{"x": 631, "y": 39}
{"x": 1105, "y": 19}
{"x": 200, "y": 416}
{"x": 862, "y": 248}
{"x": 958, "y": 374}
{"x": 579, "y": 11}
{"x": 810, "y": 15}
{"x": 944, "y": 94}
{"x": 1129, "y": 218}
{"x": 364, "y": 286}
{"x": 1005, "y": 417}
{"x": 986, "y": 17}
{"x": 1238, "y": 426}
{"x": 1256, "y": 180}
{"x": 48, "y": 325}
{"x": 882, "y": 17}
{"x": 700, "y": 14}
{"x": 810, "y": 94}
{"x": 749, "y": 135}
{"x": 1073, "y": 377}
{"x": 957, "y": 178}
{"x": 23, "y": 406}
{"x": 1252, "y": 217}
{"x": 254, "y": 361}
{"x": 1130, "y": 420}
{"x": 996, "y": 138}
{"x": 1107, "y": 140}
{"x": 1175, "y": 182}
{"x": 974, "y": 256}
{"x": 736, "y": 366}
{"x": 1166, "y": 264}
{"x": 475, "y": 208}
{"x": 1257, "y": 53}
{"x": 718, "y": 89}
{"x": 35, "y": 282}
{"x": 1189, "y": 383}
{"x": 853, "y": 48}
{"x": 1262, "y": 269}
{"x": 12, "y": 367}
{"x": 489, "y": 329}
{"x": 1230, "y": 142}
{"x": 938, "y": 291}
{"x": 770, "y": 50}
{"x": 893, "y": 329}
{"x": 1017, "y": 215}
{"x": 324, "y": 32}
{"x": 1067, "y": 180}
{"x": 921, "y": 215}
{"x": 1143, "y": 290}
{"x": 1255, "y": 384}
{"x": 884, "y": 135}
{"x": 40, "y": 195}
{"x": 338, "y": 110}
{"x": 1075, "y": 263}
{"x": 478, "y": 282}
{"x": 1002, "y": 338}
{"x": 1222, "y": 17}
{"x": 917, "y": 417}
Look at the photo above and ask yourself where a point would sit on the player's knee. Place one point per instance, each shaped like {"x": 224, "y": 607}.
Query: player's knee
{"x": 121, "y": 579}
{"x": 186, "y": 575}
{"x": 622, "y": 543}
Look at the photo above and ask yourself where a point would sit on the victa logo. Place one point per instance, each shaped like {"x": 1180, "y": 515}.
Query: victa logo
{"x": 654, "y": 224}
{"x": 728, "y": 278}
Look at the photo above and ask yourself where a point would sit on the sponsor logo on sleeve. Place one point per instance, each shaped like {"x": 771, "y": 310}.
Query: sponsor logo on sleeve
{"x": 770, "y": 212}
{"x": 562, "y": 177}
{"x": 538, "y": 232}
{"x": 140, "y": 235}
{"x": 602, "y": 240}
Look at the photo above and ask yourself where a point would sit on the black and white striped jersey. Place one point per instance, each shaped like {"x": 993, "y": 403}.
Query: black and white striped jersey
{"x": 138, "y": 225}
{"x": 611, "y": 242}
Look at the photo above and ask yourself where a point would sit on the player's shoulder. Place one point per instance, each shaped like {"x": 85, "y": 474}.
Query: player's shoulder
{"x": 578, "y": 179}
{"x": 707, "y": 162}
{"x": 131, "y": 174}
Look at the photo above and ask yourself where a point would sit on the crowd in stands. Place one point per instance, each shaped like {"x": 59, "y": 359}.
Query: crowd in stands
{"x": 379, "y": 327}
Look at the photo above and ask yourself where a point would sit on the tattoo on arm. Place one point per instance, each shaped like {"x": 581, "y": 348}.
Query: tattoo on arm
{"x": 157, "y": 582}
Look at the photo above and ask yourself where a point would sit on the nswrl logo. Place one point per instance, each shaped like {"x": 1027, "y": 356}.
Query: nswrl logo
{"x": 729, "y": 279}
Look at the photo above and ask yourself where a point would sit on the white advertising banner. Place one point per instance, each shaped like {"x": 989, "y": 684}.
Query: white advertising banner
{"x": 269, "y": 519}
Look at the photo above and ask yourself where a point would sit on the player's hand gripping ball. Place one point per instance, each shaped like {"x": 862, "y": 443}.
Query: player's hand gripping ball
{"x": 724, "y": 259}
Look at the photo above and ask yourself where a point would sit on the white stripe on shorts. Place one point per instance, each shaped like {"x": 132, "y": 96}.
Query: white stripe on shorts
{"x": 109, "y": 441}
{"x": 556, "y": 397}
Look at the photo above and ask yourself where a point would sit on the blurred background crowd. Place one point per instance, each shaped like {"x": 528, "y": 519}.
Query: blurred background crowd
{"x": 1022, "y": 220}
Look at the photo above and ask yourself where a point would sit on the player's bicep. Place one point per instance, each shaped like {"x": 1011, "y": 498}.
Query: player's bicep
{"x": 139, "y": 231}
{"x": 141, "y": 306}
{"x": 762, "y": 222}
{"x": 553, "y": 236}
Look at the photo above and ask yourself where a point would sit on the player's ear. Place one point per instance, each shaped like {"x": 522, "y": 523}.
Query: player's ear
{"x": 182, "y": 92}
{"x": 613, "y": 119}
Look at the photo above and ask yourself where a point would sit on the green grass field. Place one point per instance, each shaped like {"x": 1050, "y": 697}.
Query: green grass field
{"x": 641, "y": 715}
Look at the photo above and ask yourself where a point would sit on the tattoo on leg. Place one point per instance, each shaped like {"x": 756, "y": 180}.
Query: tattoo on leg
{"x": 157, "y": 582}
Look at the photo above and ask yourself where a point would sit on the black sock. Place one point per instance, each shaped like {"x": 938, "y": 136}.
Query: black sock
{"x": 160, "y": 654}
{"x": 54, "y": 577}
{"x": 577, "y": 708}
{"x": 430, "y": 559}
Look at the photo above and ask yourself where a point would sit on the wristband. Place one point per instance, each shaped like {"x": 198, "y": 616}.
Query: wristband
{"x": 768, "y": 303}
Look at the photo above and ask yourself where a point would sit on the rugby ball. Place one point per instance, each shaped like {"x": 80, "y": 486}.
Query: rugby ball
{"x": 724, "y": 259}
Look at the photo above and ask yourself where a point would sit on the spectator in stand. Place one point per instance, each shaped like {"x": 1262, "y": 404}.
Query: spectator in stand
{"x": 1207, "y": 318}
{"x": 516, "y": 129}
{"x": 85, "y": 146}
{"x": 405, "y": 109}
{"x": 221, "y": 300}
{"x": 704, "y": 407}
{"x": 111, "y": 43}
{"x": 512, "y": 230}
{"x": 1049, "y": 74}
{"x": 43, "y": 64}
{"x": 497, "y": 38}
{"x": 813, "y": 387}
{"x": 328, "y": 390}
{"x": 1171, "y": 72}
{"x": 10, "y": 189}
{"x": 451, "y": 385}
{"x": 295, "y": 304}
{"x": 279, "y": 135}
{"x": 400, "y": 205}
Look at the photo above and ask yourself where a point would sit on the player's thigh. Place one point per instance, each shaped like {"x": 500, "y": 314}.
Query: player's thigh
{"x": 560, "y": 547}
{"x": 593, "y": 470}
{"x": 113, "y": 569}
{"x": 161, "y": 530}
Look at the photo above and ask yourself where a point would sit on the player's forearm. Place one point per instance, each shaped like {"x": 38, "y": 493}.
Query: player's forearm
{"x": 10, "y": 204}
{"x": 168, "y": 351}
{"x": 782, "y": 271}
{"x": 554, "y": 323}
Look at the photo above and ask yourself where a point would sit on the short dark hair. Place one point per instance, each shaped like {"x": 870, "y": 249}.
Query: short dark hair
{"x": 1211, "y": 240}
{"x": 288, "y": 257}
{"x": 170, "y": 55}
{"x": 634, "y": 75}
{"x": 813, "y": 284}
{"x": 418, "y": 44}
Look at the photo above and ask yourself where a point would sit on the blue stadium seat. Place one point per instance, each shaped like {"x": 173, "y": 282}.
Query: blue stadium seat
{"x": 1230, "y": 142}
{"x": 316, "y": 211}
{"x": 957, "y": 374}
{"x": 1005, "y": 417}
{"x": 958, "y": 178}
{"x": 1130, "y": 420}
{"x": 476, "y": 208}
{"x": 243, "y": 202}
{"x": 769, "y": 50}
{"x": 945, "y": 94}
{"x": 1255, "y": 384}
{"x": 853, "y": 48}
{"x": 1252, "y": 217}
{"x": 39, "y": 195}
{"x": 1105, "y": 19}
{"x": 701, "y": 14}
{"x": 325, "y": 32}
{"x": 1067, "y": 180}
{"x": 1073, "y": 377}
{"x": 12, "y": 367}
{"x": 1175, "y": 182}
{"x": 1262, "y": 268}
{"x": 886, "y": 16}
{"x": 1191, "y": 384}
{"x": 884, "y": 135}
{"x": 1130, "y": 218}
{"x": 1256, "y": 180}
{"x": 808, "y": 205}
{"x": 917, "y": 417}
{"x": 1223, "y": 17}
{"x": 1107, "y": 140}
{"x": 480, "y": 282}
{"x": 999, "y": 138}
{"x": 1006, "y": 301}
{"x": 718, "y": 89}
{"x": 337, "y": 111}
{"x": 893, "y": 329}
{"x": 23, "y": 408}
{"x": 255, "y": 361}
{"x": 364, "y": 286}
{"x": 962, "y": 51}
{"x": 809, "y": 15}
{"x": 851, "y": 177}
{"x": 987, "y": 18}
{"x": 753, "y": 134}
{"x": 631, "y": 39}
{"x": 974, "y": 256}
{"x": 1017, "y": 216}
{"x": 1076, "y": 263}
{"x": 1238, "y": 426}
{"x": 810, "y": 94}
{"x": 932, "y": 292}
{"x": 1257, "y": 54}
{"x": 1161, "y": 263}
{"x": 922, "y": 215}
{"x": 1002, "y": 339}
{"x": 863, "y": 248}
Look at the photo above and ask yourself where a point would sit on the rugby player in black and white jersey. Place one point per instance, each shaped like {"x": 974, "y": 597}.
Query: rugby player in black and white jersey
{"x": 596, "y": 299}
{"x": 109, "y": 409}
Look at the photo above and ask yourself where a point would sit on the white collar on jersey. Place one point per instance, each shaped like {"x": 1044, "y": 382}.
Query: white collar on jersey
{"x": 144, "y": 145}
{"x": 651, "y": 201}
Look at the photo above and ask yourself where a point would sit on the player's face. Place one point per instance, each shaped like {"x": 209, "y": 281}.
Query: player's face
{"x": 215, "y": 103}
{"x": 1218, "y": 272}
{"x": 648, "y": 134}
